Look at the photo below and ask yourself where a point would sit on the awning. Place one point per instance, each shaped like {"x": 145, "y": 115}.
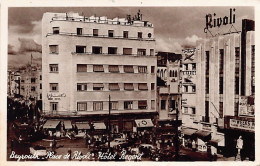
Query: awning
{"x": 144, "y": 123}
{"x": 114, "y": 86}
{"x": 51, "y": 124}
{"x": 188, "y": 131}
{"x": 82, "y": 126}
{"x": 218, "y": 140}
{"x": 67, "y": 124}
{"x": 100, "y": 126}
{"x": 203, "y": 134}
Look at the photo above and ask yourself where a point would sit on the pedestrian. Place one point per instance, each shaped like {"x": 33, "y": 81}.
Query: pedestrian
{"x": 239, "y": 144}
{"x": 69, "y": 152}
{"x": 193, "y": 145}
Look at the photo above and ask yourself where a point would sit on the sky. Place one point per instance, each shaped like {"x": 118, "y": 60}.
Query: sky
{"x": 175, "y": 28}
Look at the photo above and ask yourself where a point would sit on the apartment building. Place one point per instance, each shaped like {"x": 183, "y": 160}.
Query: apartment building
{"x": 87, "y": 59}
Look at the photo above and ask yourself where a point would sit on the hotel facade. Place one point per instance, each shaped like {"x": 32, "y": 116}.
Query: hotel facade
{"x": 86, "y": 60}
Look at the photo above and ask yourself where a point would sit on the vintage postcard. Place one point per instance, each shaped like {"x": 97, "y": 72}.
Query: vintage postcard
{"x": 130, "y": 83}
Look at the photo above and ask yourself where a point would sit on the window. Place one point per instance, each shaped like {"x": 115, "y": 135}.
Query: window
{"x": 253, "y": 69}
{"x": 79, "y": 31}
{"x": 110, "y": 33}
{"x": 81, "y": 67}
{"x": 152, "y": 69}
{"x": 142, "y": 69}
{"x": 40, "y": 77}
{"x": 193, "y": 66}
{"x": 152, "y": 86}
{"x": 40, "y": 86}
{"x": 163, "y": 103}
{"x": 141, "y": 52}
{"x": 54, "y": 49}
{"x": 114, "y": 86}
{"x": 186, "y": 66}
{"x": 236, "y": 107}
{"x": 22, "y": 81}
{"x": 33, "y": 80}
{"x": 128, "y": 69}
{"x": 185, "y": 88}
{"x": 128, "y": 86}
{"x": 54, "y": 106}
{"x": 114, "y": 105}
{"x": 207, "y": 62}
{"x": 237, "y": 85}
{"x": 125, "y": 34}
{"x": 113, "y": 68}
{"x": 140, "y": 35}
{"x": 193, "y": 110}
{"x": 142, "y": 104}
{"x": 221, "y": 109}
{"x": 221, "y": 85}
{"x": 186, "y": 110}
{"x": 149, "y": 35}
{"x": 82, "y": 106}
{"x": 98, "y": 106}
{"x": 152, "y": 104}
{"x": 173, "y": 104}
{"x": 127, "y": 51}
{"x": 98, "y": 68}
{"x": 221, "y": 61}
{"x": 56, "y": 30}
{"x": 98, "y": 86}
{"x": 54, "y": 87}
{"x": 54, "y": 68}
{"x": 40, "y": 96}
{"x": 95, "y": 32}
{"x": 80, "y": 49}
{"x": 33, "y": 88}
{"x": 81, "y": 86}
{"x": 128, "y": 105}
{"x": 142, "y": 86}
{"x": 151, "y": 52}
{"x": 207, "y": 85}
{"x": 193, "y": 88}
{"x": 112, "y": 50}
{"x": 96, "y": 50}
{"x": 237, "y": 59}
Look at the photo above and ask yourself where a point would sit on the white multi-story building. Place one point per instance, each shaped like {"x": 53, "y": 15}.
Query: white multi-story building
{"x": 86, "y": 60}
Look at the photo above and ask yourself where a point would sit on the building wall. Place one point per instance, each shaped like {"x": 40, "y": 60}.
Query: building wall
{"x": 67, "y": 77}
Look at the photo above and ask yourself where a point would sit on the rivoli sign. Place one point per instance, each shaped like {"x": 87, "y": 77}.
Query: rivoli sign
{"x": 213, "y": 21}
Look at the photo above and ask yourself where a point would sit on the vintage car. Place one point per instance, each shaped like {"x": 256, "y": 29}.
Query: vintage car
{"x": 38, "y": 150}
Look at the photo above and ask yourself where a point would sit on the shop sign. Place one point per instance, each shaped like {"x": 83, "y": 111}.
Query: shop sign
{"x": 242, "y": 124}
{"x": 245, "y": 106}
{"x": 55, "y": 96}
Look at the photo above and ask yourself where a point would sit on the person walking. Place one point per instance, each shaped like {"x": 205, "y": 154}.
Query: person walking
{"x": 193, "y": 145}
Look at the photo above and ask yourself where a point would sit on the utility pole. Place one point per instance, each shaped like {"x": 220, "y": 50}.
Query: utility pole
{"x": 109, "y": 131}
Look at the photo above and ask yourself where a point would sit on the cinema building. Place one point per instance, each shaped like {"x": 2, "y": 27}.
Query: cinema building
{"x": 226, "y": 91}
{"x": 87, "y": 59}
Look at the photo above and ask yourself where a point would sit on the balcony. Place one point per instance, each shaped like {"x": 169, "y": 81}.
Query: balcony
{"x": 100, "y": 36}
{"x": 91, "y": 53}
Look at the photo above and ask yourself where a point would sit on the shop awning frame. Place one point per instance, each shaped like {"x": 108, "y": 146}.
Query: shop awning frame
{"x": 67, "y": 124}
{"x": 203, "y": 134}
{"x": 83, "y": 126}
{"x": 99, "y": 126}
{"x": 189, "y": 131}
{"x": 51, "y": 124}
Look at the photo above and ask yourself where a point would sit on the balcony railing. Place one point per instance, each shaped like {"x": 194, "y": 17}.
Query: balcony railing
{"x": 91, "y": 53}
{"x": 100, "y": 36}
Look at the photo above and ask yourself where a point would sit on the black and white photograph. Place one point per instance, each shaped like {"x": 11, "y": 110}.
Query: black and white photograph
{"x": 130, "y": 83}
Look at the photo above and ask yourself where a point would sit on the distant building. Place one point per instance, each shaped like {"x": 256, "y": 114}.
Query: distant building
{"x": 87, "y": 59}
{"x": 13, "y": 84}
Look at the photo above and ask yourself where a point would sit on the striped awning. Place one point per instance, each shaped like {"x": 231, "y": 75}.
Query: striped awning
{"x": 100, "y": 126}
{"x": 67, "y": 124}
{"x": 82, "y": 126}
{"x": 51, "y": 124}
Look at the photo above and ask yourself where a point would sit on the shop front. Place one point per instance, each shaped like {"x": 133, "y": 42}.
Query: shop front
{"x": 236, "y": 127}
{"x": 187, "y": 136}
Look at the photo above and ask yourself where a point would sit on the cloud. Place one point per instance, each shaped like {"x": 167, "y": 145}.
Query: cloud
{"x": 11, "y": 50}
{"x": 29, "y": 45}
{"x": 168, "y": 45}
{"x": 190, "y": 41}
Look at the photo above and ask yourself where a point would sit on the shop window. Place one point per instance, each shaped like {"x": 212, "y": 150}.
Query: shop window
{"x": 112, "y": 50}
{"x": 82, "y": 106}
{"x": 81, "y": 86}
{"x": 128, "y": 86}
{"x": 98, "y": 86}
{"x": 80, "y": 49}
{"x": 110, "y": 33}
{"x": 54, "y": 68}
{"x": 142, "y": 104}
{"x": 128, "y": 105}
{"x": 54, "y": 87}
{"x": 125, "y": 34}
{"x": 128, "y": 69}
{"x": 81, "y": 67}
{"x": 96, "y": 50}
{"x": 113, "y": 68}
{"x": 127, "y": 51}
{"x": 142, "y": 69}
{"x": 98, "y": 106}
{"x": 56, "y": 30}
{"x": 54, "y": 49}
{"x": 79, "y": 31}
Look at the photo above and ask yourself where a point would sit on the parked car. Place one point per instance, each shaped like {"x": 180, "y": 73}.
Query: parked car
{"x": 117, "y": 142}
{"x": 38, "y": 150}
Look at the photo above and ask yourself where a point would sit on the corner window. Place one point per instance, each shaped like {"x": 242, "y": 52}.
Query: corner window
{"x": 56, "y": 30}
{"x": 54, "y": 49}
